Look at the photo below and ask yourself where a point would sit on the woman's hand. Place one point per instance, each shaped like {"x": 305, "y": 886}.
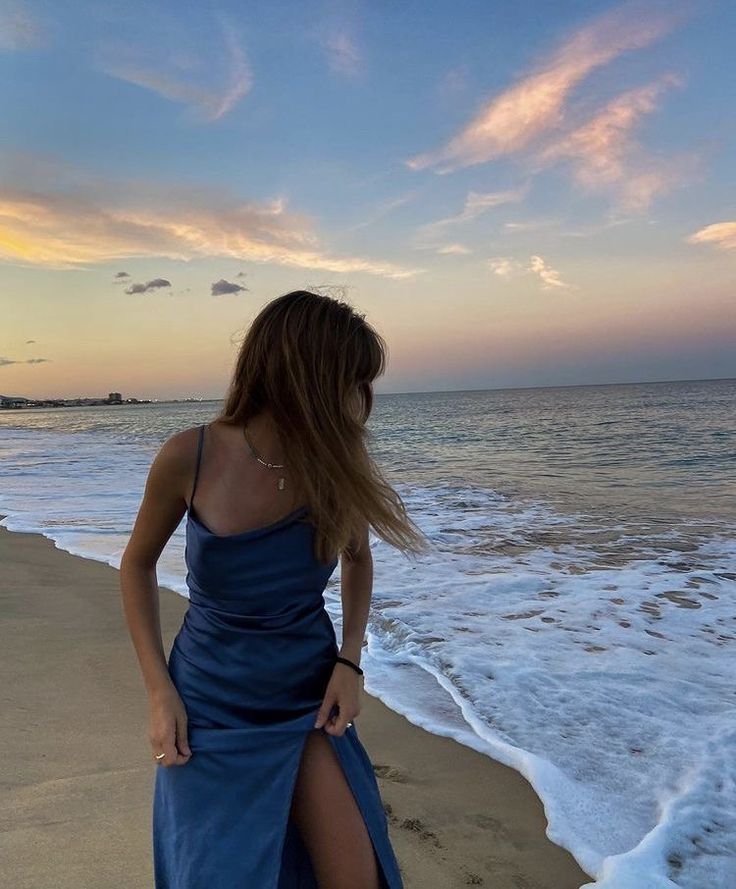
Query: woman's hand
{"x": 343, "y": 690}
{"x": 167, "y": 728}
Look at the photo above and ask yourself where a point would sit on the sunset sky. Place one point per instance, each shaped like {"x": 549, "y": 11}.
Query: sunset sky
{"x": 515, "y": 194}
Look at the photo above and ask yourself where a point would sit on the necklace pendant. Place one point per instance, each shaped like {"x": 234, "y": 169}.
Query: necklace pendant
{"x": 282, "y": 483}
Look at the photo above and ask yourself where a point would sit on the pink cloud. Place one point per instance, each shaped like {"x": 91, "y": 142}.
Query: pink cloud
{"x": 99, "y": 222}
{"x": 521, "y": 114}
{"x": 605, "y": 156}
{"x": 720, "y": 234}
{"x": 209, "y": 103}
{"x": 507, "y": 267}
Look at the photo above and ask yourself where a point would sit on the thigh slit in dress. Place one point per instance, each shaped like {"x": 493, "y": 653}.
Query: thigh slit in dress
{"x": 251, "y": 662}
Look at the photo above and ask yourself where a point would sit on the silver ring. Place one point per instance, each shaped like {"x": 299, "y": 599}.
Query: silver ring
{"x": 160, "y": 755}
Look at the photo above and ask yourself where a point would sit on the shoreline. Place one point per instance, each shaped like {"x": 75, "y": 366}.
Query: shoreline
{"x": 79, "y": 778}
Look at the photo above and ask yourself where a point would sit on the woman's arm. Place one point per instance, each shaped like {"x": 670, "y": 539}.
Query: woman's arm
{"x": 356, "y": 590}
{"x": 160, "y": 513}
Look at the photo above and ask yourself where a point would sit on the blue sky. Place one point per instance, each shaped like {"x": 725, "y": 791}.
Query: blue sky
{"x": 515, "y": 194}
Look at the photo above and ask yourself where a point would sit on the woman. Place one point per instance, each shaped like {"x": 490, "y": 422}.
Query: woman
{"x": 262, "y": 781}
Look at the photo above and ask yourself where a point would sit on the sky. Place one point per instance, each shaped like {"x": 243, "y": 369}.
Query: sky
{"x": 515, "y": 194}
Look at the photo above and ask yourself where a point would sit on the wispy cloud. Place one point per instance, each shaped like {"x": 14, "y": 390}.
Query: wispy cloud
{"x": 476, "y": 203}
{"x": 20, "y": 29}
{"x": 595, "y": 228}
{"x": 529, "y": 225}
{"x": 549, "y": 277}
{"x": 719, "y": 234}
{"x": 105, "y": 221}
{"x": 343, "y": 55}
{"x": 4, "y": 362}
{"x": 383, "y": 209}
{"x": 653, "y": 178}
{"x": 509, "y": 267}
{"x": 505, "y": 266}
{"x": 207, "y": 103}
{"x": 336, "y": 37}
{"x": 453, "y": 83}
{"x": 606, "y": 157}
{"x": 454, "y": 249}
{"x": 514, "y": 119}
{"x": 600, "y": 146}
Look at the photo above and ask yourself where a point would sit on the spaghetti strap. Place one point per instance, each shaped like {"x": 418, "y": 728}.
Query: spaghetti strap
{"x": 199, "y": 461}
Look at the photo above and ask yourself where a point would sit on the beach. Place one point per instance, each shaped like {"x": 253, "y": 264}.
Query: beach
{"x": 78, "y": 775}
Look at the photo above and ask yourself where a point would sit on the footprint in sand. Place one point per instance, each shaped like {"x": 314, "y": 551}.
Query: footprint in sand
{"x": 390, "y": 773}
{"x": 496, "y": 827}
{"x": 387, "y": 808}
{"x": 417, "y": 826}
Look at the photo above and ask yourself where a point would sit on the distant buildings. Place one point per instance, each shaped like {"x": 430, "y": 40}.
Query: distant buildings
{"x": 18, "y": 401}
{"x": 13, "y": 401}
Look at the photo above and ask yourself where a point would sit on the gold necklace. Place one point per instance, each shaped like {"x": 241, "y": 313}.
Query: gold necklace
{"x": 281, "y": 483}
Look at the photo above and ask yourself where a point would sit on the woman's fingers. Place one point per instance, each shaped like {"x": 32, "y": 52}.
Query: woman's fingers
{"x": 339, "y": 723}
{"x": 168, "y": 729}
{"x": 173, "y": 757}
{"x": 182, "y": 741}
{"x": 341, "y": 696}
{"x": 337, "y": 728}
{"x": 172, "y": 754}
{"x": 324, "y": 711}
{"x": 165, "y": 742}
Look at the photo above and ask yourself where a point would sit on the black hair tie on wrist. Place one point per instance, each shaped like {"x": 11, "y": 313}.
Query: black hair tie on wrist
{"x": 344, "y": 660}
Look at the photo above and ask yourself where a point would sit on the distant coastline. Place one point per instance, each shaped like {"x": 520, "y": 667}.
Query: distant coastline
{"x": 17, "y": 402}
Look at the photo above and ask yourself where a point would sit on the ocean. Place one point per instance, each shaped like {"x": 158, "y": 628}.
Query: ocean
{"x": 575, "y": 617}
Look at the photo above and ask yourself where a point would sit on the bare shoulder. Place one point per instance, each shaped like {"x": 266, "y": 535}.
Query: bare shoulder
{"x": 176, "y": 455}
{"x": 179, "y": 447}
{"x": 164, "y": 497}
{"x": 171, "y": 473}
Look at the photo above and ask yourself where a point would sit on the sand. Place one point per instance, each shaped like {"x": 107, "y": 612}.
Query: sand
{"x": 77, "y": 776}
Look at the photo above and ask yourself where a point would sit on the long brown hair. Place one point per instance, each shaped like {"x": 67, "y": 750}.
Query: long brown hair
{"x": 306, "y": 358}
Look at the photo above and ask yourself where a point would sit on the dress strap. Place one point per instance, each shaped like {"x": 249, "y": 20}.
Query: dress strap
{"x": 196, "y": 469}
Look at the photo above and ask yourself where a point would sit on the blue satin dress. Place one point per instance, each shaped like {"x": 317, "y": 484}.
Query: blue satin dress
{"x": 251, "y": 662}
